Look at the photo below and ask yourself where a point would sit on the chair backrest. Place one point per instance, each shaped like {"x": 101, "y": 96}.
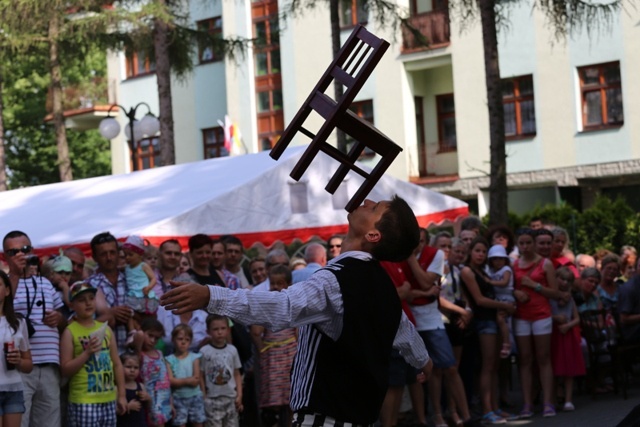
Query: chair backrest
{"x": 354, "y": 63}
{"x": 594, "y": 332}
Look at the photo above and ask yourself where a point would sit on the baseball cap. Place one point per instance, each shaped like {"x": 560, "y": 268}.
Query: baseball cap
{"x": 61, "y": 263}
{"x": 79, "y": 288}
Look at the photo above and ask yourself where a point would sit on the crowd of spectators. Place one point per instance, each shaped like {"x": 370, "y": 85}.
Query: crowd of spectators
{"x": 479, "y": 300}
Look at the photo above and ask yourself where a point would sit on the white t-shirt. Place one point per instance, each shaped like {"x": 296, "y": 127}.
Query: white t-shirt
{"x": 428, "y": 316}
{"x": 11, "y": 380}
{"x": 218, "y": 366}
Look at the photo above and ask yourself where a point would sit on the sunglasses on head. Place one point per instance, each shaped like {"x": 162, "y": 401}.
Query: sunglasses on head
{"x": 13, "y": 252}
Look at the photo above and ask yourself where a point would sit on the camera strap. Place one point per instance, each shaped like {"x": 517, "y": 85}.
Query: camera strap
{"x": 35, "y": 292}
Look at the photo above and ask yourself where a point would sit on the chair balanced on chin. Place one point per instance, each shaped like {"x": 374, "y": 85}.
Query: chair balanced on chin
{"x": 351, "y": 67}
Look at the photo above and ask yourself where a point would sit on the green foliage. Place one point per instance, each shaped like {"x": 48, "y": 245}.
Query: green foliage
{"x": 604, "y": 225}
{"x": 30, "y": 143}
{"x": 608, "y": 224}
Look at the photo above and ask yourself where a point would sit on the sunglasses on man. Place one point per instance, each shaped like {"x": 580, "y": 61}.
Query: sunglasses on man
{"x": 14, "y": 251}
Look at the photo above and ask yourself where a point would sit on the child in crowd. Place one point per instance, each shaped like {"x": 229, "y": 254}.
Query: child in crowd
{"x": 276, "y": 353}
{"x": 566, "y": 354}
{"x": 221, "y": 377}
{"x": 137, "y": 396}
{"x": 140, "y": 282}
{"x": 184, "y": 376}
{"x": 151, "y": 256}
{"x": 16, "y": 357}
{"x": 501, "y": 277}
{"x": 61, "y": 268}
{"x": 153, "y": 371}
{"x": 89, "y": 357}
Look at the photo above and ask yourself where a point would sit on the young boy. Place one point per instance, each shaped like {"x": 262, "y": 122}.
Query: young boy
{"x": 221, "y": 377}
{"x": 89, "y": 357}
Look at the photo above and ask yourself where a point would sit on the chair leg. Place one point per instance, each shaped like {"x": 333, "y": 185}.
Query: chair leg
{"x": 342, "y": 171}
{"x": 289, "y": 133}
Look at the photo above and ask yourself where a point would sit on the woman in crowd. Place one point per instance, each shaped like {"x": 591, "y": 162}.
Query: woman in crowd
{"x": 608, "y": 288}
{"x": 628, "y": 259}
{"x": 501, "y": 235}
{"x": 481, "y": 298}
{"x": 457, "y": 315}
{"x": 558, "y": 249}
{"x": 532, "y": 324}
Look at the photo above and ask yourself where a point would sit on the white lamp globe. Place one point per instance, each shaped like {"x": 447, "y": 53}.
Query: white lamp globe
{"x": 109, "y": 128}
{"x": 149, "y": 125}
{"x": 136, "y": 131}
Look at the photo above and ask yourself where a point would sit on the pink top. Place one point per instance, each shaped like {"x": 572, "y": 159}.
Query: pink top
{"x": 538, "y": 306}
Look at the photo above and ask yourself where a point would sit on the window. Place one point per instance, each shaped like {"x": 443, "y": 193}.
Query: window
{"x": 601, "y": 90}
{"x": 268, "y": 80}
{"x": 364, "y": 110}
{"x": 147, "y": 153}
{"x": 446, "y": 123}
{"x": 139, "y": 64}
{"x": 352, "y": 12}
{"x": 208, "y": 51}
{"x": 269, "y": 100}
{"x": 519, "y": 111}
{"x": 213, "y": 140}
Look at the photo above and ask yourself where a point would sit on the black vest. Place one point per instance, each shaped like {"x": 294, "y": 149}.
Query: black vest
{"x": 347, "y": 379}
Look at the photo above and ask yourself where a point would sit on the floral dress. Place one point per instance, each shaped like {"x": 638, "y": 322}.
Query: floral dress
{"x": 156, "y": 380}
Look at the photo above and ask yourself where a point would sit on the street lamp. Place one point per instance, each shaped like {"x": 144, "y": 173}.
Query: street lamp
{"x": 134, "y": 131}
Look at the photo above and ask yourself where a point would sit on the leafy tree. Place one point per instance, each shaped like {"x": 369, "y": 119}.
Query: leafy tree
{"x": 29, "y": 142}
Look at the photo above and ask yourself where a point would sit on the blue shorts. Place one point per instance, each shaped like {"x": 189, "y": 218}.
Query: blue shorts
{"x": 189, "y": 409}
{"x": 486, "y": 327}
{"x": 11, "y": 402}
{"x": 439, "y": 348}
{"x": 400, "y": 372}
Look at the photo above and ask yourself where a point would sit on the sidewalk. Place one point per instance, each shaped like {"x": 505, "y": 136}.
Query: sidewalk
{"x": 607, "y": 410}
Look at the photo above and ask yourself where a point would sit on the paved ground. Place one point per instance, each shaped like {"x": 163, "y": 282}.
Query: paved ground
{"x": 607, "y": 410}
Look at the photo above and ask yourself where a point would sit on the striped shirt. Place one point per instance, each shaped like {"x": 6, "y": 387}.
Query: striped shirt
{"x": 42, "y": 297}
{"x": 316, "y": 301}
{"x": 115, "y": 297}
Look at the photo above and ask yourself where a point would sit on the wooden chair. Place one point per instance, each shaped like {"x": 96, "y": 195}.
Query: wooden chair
{"x": 352, "y": 67}
{"x": 600, "y": 357}
{"x": 608, "y": 352}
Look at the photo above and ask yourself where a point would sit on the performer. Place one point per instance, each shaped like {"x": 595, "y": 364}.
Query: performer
{"x": 349, "y": 316}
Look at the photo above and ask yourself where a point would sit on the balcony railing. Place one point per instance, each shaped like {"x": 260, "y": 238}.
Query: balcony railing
{"x": 433, "y": 28}
{"x": 82, "y": 96}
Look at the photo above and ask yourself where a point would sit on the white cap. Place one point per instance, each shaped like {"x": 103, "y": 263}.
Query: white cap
{"x": 497, "y": 251}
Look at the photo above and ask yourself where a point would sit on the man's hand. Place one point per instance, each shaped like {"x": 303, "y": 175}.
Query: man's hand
{"x": 427, "y": 370}
{"x": 185, "y": 297}
{"x": 52, "y": 318}
{"x": 122, "y": 313}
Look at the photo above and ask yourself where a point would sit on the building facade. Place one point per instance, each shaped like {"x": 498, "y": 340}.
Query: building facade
{"x": 565, "y": 101}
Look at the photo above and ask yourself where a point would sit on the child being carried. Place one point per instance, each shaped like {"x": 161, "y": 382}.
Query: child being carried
{"x": 140, "y": 282}
{"x": 501, "y": 277}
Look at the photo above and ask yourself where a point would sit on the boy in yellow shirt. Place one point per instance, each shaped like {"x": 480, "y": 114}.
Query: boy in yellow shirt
{"x": 89, "y": 357}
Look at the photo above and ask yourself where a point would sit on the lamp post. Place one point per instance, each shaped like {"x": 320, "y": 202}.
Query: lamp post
{"x": 134, "y": 131}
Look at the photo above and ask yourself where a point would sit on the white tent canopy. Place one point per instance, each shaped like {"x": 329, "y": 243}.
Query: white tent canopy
{"x": 250, "y": 196}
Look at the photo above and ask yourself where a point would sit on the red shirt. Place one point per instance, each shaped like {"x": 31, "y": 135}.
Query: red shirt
{"x": 538, "y": 306}
{"x": 397, "y": 273}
